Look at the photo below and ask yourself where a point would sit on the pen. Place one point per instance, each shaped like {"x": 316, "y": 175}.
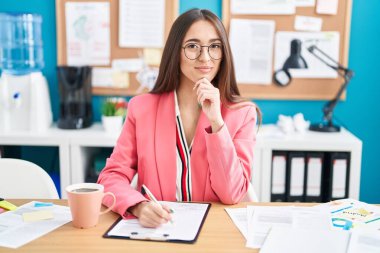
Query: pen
{"x": 151, "y": 196}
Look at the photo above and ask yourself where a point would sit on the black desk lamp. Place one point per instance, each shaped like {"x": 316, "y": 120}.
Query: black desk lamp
{"x": 295, "y": 60}
{"x": 327, "y": 124}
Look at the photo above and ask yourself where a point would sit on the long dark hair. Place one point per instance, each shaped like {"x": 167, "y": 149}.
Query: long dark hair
{"x": 169, "y": 73}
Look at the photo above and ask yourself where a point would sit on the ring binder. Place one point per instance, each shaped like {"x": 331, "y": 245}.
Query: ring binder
{"x": 313, "y": 177}
{"x": 296, "y": 177}
{"x": 278, "y": 190}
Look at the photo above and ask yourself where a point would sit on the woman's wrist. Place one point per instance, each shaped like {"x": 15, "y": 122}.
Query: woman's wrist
{"x": 135, "y": 210}
{"x": 217, "y": 125}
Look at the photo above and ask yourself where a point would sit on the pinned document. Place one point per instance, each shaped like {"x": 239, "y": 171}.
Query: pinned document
{"x": 329, "y": 7}
{"x": 88, "y": 33}
{"x": 263, "y": 7}
{"x": 309, "y": 24}
{"x": 141, "y": 23}
{"x": 252, "y": 49}
{"x": 152, "y": 56}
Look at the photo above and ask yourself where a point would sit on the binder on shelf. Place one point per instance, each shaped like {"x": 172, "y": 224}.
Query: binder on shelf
{"x": 278, "y": 186}
{"x": 339, "y": 174}
{"x": 313, "y": 176}
{"x": 296, "y": 177}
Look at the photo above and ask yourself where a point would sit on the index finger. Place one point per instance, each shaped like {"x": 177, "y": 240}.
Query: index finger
{"x": 202, "y": 80}
{"x": 161, "y": 211}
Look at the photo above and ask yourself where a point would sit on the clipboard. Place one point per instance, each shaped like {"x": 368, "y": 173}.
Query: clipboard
{"x": 188, "y": 219}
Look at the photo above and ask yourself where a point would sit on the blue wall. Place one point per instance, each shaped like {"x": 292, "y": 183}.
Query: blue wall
{"x": 358, "y": 113}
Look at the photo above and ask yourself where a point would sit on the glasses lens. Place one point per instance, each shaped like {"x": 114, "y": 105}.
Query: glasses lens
{"x": 215, "y": 51}
{"x": 192, "y": 51}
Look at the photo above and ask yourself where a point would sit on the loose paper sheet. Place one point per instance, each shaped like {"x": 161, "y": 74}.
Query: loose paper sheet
{"x": 87, "y": 33}
{"x": 252, "y": 49}
{"x": 141, "y": 23}
{"x": 297, "y": 240}
{"x": 261, "y": 219}
{"x": 326, "y": 41}
{"x": 352, "y": 214}
{"x": 239, "y": 217}
{"x": 364, "y": 241}
{"x": 14, "y": 232}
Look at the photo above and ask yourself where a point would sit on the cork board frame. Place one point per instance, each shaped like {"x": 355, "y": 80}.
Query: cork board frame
{"x": 171, "y": 13}
{"x": 301, "y": 88}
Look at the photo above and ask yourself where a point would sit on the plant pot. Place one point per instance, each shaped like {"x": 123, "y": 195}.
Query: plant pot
{"x": 112, "y": 124}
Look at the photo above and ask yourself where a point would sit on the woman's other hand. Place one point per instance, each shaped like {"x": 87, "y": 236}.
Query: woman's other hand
{"x": 209, "y": 98}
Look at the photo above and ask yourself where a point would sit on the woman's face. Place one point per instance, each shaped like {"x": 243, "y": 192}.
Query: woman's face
{"x": 195, "y": 66}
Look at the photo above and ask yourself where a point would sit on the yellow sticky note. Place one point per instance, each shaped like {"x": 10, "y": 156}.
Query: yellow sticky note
{"x": 152, "y": 56}
{"x": 36, "y": 216}
{"x": 7, "y": 205}
{"x": 120, "y": 79}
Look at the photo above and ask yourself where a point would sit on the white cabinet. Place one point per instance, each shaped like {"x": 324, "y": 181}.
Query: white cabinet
{"x": 76, "y": 147}
{"x": 271, "y": 139}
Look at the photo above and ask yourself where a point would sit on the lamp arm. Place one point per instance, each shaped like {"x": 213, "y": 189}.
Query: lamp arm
{"x": 346, "y": 73}
{"x": 330, "y": 105}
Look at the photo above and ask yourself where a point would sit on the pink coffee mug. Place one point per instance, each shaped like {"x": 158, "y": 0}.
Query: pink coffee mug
{"x": 85, "y": 201}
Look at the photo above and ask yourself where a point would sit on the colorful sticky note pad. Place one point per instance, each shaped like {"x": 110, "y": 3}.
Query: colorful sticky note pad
{"x": 7, "y": 205}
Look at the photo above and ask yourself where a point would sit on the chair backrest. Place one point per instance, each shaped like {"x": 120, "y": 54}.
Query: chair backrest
{"x": 251, "y": 195}
{"x": 20, "y": 179}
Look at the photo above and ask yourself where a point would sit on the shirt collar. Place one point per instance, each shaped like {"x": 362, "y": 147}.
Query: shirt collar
{"x": 177, "y": 113}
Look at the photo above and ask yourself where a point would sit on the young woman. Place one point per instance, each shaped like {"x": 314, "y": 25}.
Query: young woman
{"x": 192, "y": 137}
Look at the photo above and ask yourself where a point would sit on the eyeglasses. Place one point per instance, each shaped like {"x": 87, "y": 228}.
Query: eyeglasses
{"x": 193, "y": 51}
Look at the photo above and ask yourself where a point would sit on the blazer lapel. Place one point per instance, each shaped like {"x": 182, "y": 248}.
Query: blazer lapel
{"x": 165, "y": 146}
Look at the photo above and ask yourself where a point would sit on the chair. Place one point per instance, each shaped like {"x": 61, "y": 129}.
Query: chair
{"x": 251, "y": 195}
{"x": 20, "y": 179}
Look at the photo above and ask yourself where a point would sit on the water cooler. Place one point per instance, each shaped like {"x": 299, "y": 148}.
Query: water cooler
{"x": 24, "y": 94}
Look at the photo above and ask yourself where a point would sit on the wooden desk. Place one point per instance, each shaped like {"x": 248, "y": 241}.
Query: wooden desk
{"x": 218, "y": 234}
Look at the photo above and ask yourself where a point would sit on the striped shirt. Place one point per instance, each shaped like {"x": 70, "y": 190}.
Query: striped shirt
{"x": 183, "y": 181}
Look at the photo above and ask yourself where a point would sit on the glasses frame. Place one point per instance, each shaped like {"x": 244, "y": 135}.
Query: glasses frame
{"x": 200, "y": 51}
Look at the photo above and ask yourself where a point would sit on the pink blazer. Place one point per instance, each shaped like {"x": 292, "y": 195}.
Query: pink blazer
{"x": 220, "y": 162}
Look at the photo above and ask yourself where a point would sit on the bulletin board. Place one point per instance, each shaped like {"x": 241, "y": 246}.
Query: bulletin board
{"x": 301, "y": 88}
{"x": 171, "y": 13}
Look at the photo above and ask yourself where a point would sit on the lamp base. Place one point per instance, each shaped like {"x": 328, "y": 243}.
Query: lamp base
{"x": 324, "y": 128}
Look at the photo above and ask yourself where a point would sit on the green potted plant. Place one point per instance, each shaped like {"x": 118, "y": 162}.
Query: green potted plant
{"x": 114, "y": 110}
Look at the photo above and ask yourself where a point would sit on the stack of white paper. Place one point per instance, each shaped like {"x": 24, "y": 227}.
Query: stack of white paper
{"x": 322, "y": 228}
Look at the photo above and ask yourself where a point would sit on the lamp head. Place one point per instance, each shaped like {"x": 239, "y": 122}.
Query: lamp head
{"x": 295, "y": 60}
{"x": 282, "y": 76}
